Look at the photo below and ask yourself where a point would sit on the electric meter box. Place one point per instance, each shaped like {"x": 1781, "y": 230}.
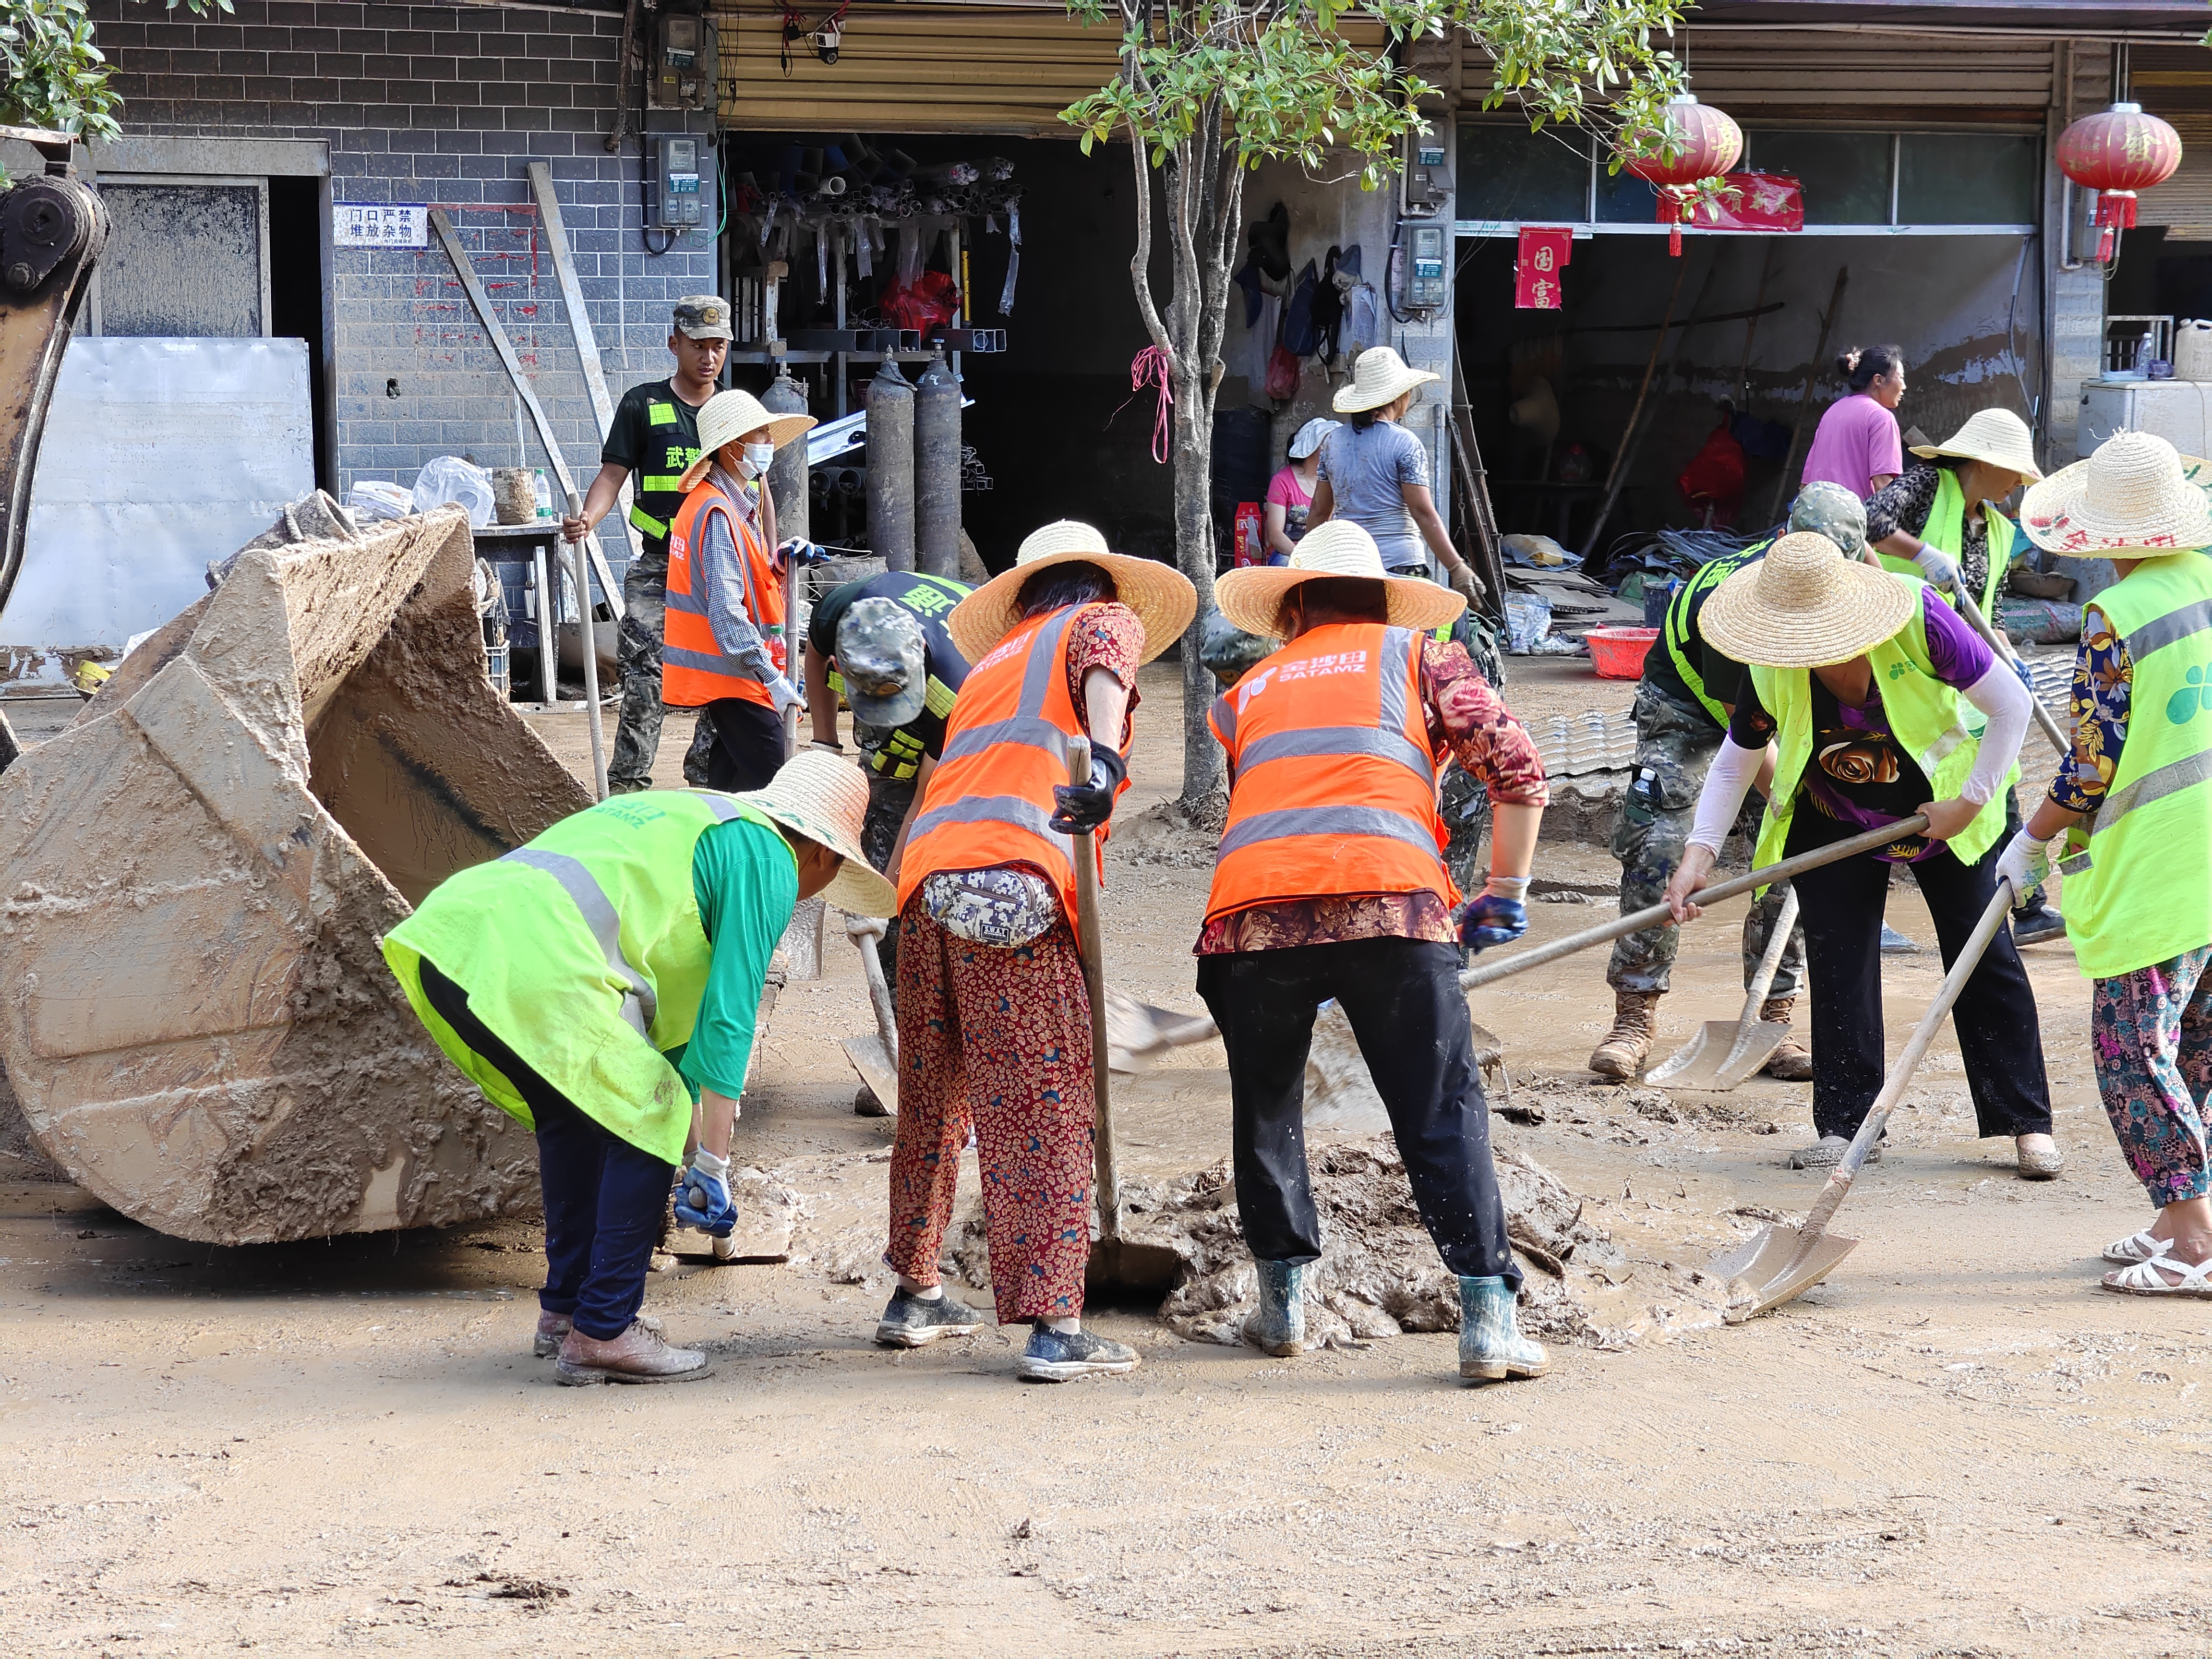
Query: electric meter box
{"x": 684, "y": 66}
{"x": 681, "y": 182}
{"x": 1424, "y": 283}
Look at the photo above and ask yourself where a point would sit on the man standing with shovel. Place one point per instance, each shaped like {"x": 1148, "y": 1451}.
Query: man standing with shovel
{"x": 1330, "y": 884}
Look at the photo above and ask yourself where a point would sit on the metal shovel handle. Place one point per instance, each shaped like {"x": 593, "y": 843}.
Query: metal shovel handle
{"x": 2006, "y": 654}
{"x": 1653, "y": 915}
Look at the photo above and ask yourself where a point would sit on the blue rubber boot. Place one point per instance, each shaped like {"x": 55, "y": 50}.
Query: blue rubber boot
{"x": 1279, "y": 1327}
{"x": 1491, "y": 1346}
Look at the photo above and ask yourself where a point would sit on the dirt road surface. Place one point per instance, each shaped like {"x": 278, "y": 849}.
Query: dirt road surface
{"x": 1958, "y": 1446}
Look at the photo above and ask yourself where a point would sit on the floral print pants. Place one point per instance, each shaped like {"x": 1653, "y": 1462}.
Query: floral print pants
{"x": 999, "y": 1038}
{"x": 2150, "y": 1032}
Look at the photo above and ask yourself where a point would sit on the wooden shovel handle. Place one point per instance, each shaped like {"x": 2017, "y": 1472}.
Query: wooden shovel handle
{"x": 1653, "y": 915}
{"x": 1091, "y": 947}
{"x": 2007, "y": 655}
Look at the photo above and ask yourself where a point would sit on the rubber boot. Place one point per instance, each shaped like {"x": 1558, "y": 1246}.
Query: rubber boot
{"x": 1491, "y": 1346}
{"x": 1793, "y": 1061}
{"x": 1621, "y": 1054}
{"x": 1279, "y": 1327}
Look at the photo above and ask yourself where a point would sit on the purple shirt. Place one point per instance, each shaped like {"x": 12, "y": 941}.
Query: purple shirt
{"x": 1859, "y": 777}
{"x": 1856, "y": 442}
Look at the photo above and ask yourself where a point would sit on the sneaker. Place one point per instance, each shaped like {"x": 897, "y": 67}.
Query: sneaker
{"x": 1828, "y": 1151}
{"x": 1062, "y": 1356}
{"x": 915, "y": 1321}
{"x": 1894, "y": 944}
{"x": 638, "y": 1355}
{"x": 2032, "y": 924}
{"x": 552, "y": 1330}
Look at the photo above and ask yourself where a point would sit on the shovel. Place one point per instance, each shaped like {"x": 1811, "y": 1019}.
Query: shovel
{"x": 875, "y": 1058}
{"x": 1725, "y": 1053}
{"x": 1117, "y": 1266}
{"x": 1780, "y": 1263}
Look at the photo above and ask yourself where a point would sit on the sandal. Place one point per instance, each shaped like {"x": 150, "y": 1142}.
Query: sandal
{"x": 2136, "y": 1247}
{"x": 2148, "y": 1278}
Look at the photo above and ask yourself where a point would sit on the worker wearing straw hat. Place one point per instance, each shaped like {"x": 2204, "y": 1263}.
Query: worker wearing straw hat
{"x": 1940, "y": 520}
{"x": 1864, "y": 680}
{"x": 725, "y": 650}
{"x": 993, "y": 1017}
{"x": 1330, "y": 882}
{"x": 2136, "y": 801}
{"x": 1375, "y": 473}
{"x": 1690, "y": 689}
{"x": 595, "y": 983}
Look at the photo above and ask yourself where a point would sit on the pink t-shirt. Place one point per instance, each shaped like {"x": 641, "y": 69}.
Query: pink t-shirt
{"x": 1856, "y": 442}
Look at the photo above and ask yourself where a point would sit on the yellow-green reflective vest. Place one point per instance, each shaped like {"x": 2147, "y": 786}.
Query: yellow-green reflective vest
{"x": 1946, "y": 531}
{"x": 1926, "y": 717}
{"x": 584, "y": 952}
{"x": 2142, "y": 892}
{"x": 1678, "y": 624}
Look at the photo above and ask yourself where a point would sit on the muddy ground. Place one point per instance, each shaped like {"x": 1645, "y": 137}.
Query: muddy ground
{"x": 1958, "y": 1446}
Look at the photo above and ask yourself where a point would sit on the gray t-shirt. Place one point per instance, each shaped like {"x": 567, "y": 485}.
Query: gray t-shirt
{"x": 1367, "y": 473}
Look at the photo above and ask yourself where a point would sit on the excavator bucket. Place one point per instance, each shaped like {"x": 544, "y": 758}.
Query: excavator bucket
{"x": 194, "y": 875}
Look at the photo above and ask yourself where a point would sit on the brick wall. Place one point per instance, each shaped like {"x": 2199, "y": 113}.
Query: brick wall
{"x": 443, "y": 105}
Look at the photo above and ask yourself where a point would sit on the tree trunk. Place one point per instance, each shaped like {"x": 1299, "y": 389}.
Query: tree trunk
{"x": 1193, "y": 522}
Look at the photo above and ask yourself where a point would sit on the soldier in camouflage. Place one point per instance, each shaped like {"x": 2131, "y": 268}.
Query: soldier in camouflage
{"x": 1680, "y": 717}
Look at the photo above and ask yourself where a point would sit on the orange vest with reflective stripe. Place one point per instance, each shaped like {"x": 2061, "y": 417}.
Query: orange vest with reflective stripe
{"x": 987, "y": 801}
{"x": 1333, "y": 783}
{"x": 693, "y": 670}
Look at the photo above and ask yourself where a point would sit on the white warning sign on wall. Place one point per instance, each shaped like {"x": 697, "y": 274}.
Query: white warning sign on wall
{"x": 381, "y": 224}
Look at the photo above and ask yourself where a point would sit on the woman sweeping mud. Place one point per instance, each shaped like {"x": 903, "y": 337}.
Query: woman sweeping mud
{"x": 1863, "y": 679}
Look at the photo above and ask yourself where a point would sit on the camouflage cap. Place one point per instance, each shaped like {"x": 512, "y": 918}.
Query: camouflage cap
{"x": 1226, "y": 650}
{"x": 884, "y": 662}
{"x": 1830, "y": 510}
{"x": 702, "y": 317}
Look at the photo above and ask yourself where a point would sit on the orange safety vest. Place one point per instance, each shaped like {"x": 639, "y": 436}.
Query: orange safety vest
{"x": 988, "y": 800}
{"x": 693, "y": 670}
{"x": 1333, "y": 783}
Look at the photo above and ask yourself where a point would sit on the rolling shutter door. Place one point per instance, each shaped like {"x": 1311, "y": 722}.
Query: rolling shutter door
{"x": 2175, "y": 84}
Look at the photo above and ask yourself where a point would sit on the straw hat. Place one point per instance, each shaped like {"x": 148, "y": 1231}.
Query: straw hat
{"x": 2136, "y": 495}
{"x": 1805, "y": 605}
{"x": 1379, "y": 377}
{"x": 1996, "y": 437}
{"x": 1161, "y": 595}
{"x": 825, "y": 799}
{"x": 727, "y": 417}
{"x": 1252, "y": 596}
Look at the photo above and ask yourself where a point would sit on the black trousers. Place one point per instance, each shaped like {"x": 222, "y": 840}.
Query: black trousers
{"x": 1403, "y": 999}
{"x": 604, "y": 1198}
{"x": 1840, "y": 906}
{"x": 747, "y": 747}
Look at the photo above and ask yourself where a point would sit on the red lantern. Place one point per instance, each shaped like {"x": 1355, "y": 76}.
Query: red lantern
{"x": 1706, "y": 143}
{"x": 2115, "y": 153}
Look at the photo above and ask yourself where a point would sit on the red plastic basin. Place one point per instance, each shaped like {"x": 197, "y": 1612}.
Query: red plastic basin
{"x": 1618, "y": 652}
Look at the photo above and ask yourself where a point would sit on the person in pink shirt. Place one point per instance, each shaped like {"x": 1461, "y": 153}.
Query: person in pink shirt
{"x": 1856, "y": 444}
{"x": 1290, "y": 492}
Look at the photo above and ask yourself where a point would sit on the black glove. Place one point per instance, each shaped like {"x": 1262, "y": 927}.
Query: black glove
{"x": 1085, "y": 807}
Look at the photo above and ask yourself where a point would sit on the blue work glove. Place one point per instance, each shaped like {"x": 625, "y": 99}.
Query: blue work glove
{"x": 1939, "y": 568}
{"x": 800, "y": 549}
{"x": 2020, "y": 667}
{"x": 1085, "y": 807}
{"x": 702, "y": 1195}
{"x": 1498, "y": 914}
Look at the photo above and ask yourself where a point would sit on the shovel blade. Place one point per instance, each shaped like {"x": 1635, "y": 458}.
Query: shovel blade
{"x": 874, "y": 1065}
{"x": 1780, "y": 1263}
{"x": 1748, "y": 1053}
{"x": 1697, "y": 1062}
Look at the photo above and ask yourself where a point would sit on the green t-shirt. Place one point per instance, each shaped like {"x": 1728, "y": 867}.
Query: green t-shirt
{"x": 656, "y": 435}
{"x": 746, "y": 882}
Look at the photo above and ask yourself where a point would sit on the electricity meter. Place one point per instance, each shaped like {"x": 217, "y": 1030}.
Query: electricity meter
{"x": 684, "y": 63}
{"x": 677, "y": 183}
{"x": 1424, "y": 285}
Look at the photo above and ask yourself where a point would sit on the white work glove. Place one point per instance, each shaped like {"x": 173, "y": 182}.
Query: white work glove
{"x": 1939, "y": 569}
{"x": 1463, "y": 581}
{"x": 786, "y": 697}
{"x": 2026, "y": 863}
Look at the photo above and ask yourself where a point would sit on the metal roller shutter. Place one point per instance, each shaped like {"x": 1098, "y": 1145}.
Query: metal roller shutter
{"x": 2175, "y": 83}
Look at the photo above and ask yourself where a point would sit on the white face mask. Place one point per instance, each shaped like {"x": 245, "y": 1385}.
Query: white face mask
{"x": 757, "y": 459}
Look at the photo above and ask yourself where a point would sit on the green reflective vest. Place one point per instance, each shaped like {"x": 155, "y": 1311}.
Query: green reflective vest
{"x": 1680, "y": 624}
{"x": 1926, "y": 717}
{"x": 2142, "y": 892}
{"x": 1946, "y": 531}
{"x": 584, "y": 952}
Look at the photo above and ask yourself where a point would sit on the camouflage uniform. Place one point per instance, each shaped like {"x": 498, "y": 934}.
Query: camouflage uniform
{"x": 1674, "y": 747}
{"x": 637, "y": 661}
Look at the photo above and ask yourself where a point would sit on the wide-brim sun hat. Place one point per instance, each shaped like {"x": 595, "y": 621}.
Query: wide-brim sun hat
{"x": 1379, "y": 377}
{"x": 825, "y": 799}
{"x": 2136, "y": 496}
{"x": 1805, "y": 605}
{"x": 1309, "y": 437}
{"x": 1161, "y": 595}
{"x": 1996, "y": 437}
{"x": 727, "y": 417}
{"x": 1252, "y": 596}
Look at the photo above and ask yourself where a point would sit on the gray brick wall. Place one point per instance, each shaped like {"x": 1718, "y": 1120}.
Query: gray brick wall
{"x": 443, "y": 105}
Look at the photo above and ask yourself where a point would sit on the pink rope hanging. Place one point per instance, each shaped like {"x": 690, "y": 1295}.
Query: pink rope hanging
{"x": 1149, "y": 368}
